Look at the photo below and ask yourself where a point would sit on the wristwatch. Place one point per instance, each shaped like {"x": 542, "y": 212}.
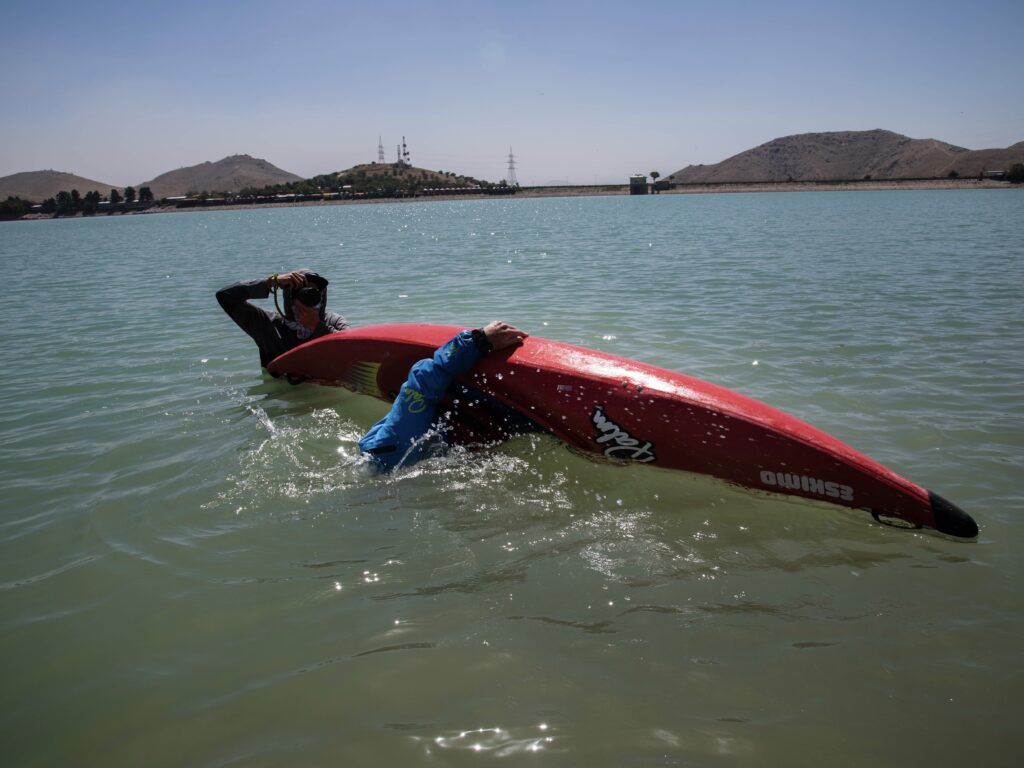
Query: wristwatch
{"x": 481, "y": 340}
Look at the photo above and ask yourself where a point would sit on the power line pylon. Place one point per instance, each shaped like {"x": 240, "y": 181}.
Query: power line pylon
{"x": 380, "y": 151}
{"x": 511, "y": 177}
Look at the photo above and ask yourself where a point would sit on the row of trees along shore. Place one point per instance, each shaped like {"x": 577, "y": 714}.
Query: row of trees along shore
{"x": 371, "y": 180}
{"x": 387, "y": 179}
{"x": 72, "y": 203}
{"x": 383, "y": 180}
{"x": 398, "y": 180}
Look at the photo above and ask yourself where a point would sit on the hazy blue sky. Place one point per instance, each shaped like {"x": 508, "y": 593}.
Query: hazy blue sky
{"x": 583, "y": 91}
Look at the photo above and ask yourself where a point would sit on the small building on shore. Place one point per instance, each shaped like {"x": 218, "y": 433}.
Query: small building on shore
{"x": 638, "y": 184}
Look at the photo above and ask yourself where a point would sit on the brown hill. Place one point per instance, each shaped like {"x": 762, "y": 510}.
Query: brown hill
{"x": 847, "y": 155}
{"x": 228, "y": 175}
{"x": 39, "y": 185}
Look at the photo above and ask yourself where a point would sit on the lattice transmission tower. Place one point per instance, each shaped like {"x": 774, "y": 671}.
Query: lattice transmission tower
{"x": 402, "y": 153}
{"x": 380, "y": 150}
{"x": 511, "y": 177}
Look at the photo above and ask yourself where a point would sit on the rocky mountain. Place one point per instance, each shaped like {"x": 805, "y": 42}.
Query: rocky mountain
{"x": 228, "y": 175}
{"x": 39, "y": 185}
{"x": 846, "y": 155}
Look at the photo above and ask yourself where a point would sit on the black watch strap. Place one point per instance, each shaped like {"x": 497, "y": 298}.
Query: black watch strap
{"x": 480, "y": 339}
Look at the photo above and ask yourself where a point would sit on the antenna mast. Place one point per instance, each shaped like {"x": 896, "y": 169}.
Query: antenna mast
{"x": 511, "y": 177}
{"x": 380, "y": 150}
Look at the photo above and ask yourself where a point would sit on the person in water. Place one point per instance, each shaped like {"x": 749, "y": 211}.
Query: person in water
{"x": 409, "y": 432}
{"x": 305, "y": 311}
{"x": 404, "y": 435}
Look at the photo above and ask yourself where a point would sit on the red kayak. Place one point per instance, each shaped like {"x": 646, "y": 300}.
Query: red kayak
{"x": 630, "y": 411}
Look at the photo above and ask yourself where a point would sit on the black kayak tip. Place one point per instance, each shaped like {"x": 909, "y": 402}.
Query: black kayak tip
{"x": 950, "y": 519}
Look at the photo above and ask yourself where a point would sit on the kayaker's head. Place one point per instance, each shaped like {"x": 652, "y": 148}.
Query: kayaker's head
{"x": 307, "y": 304}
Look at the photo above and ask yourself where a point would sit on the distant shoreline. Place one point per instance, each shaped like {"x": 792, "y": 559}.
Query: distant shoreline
{"x": 602, "y": 190}
{"x": 839, "y": 186}
{"x": 610, "y": 190}
{"x": 773, "y": 186}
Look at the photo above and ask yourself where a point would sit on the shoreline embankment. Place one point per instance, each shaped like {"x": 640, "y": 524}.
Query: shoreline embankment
{"x": 598, "y": 190}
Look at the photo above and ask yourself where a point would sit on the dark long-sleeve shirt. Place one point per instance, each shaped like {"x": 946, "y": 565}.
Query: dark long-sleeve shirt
{"x": 268, "y": 329}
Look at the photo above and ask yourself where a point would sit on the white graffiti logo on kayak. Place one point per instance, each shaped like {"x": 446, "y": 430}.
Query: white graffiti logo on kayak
{"x": 619, "y": 444}
{"x": 794, "y": 482}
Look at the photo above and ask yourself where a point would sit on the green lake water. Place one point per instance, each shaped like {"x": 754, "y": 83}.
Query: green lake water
{"x": 196, "y": 570}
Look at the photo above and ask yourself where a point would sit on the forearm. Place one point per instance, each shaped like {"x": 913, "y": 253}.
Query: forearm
{"x": 390, "y": 440}
{"x": 235, "y": 294}
{"x": 234, "y": 300}
{"x": 431, "y": 378}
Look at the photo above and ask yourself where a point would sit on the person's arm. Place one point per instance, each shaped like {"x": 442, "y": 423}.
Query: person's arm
{"x": 413, "y": 411}
{"x": 430, "y": 379}
{"x": 234, "y": 299}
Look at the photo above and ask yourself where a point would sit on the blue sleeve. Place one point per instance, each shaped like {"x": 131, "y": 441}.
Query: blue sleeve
{"x": 397, "y": 438}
